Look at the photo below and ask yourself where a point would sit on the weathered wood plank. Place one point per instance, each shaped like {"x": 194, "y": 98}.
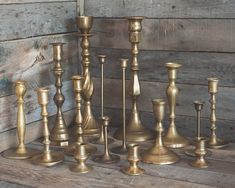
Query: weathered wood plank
{"x": 161, "y": 9}
{"x": 5, "y": 184}
{"x": 169, "y": 34}
{"x": 2, "y": 2}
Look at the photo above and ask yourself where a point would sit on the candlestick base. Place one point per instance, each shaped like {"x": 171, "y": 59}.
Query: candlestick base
{"x": 107, "y": 159}
{"x": 119, "y": 150}
{"x": 19, "y": 154}
{"x": 70, "y": 150}
{"x": 133, "y": 171}
{"x": 216, "y": 143}
{"x": 59, "y": 143}
{"x": 191, "y": 153}
{"x": 50, "y": 159}
{"x": 199, "y": 164}
{"x": 80, "y": 168}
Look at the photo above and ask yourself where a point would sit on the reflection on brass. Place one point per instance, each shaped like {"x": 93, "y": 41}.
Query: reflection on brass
{"x": 158, "y": 153}
{"x": 59, "y": 134}
{"x": 90, "y": 125}
{"x": 133, "y": 158}
{"x": 21, "y": 152}
{"x": 123, "y": 149}
{"x": 47, "y": 158}
{"x": 106, "y": 157}
{"x": 214, "y": 141}
{"x": 81, "y": 156}
{"x": 135, "y": 130}
{"x": 200, "y": 153}
{"x": 173, "y": 139}
{"x": 77, "y": 87}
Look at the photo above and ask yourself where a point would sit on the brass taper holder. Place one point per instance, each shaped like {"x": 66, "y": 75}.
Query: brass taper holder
{"x": 172, "y": 138}
{"x": 21, "y": 152}
{"x": 48, "y": 157}
{"x": 158, "y": 153}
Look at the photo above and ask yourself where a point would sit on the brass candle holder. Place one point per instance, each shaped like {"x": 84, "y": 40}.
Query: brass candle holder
{"x": 47, "y": 158}
{"x": 77, "y": 87}
{"x": 158, "y": 153}
{"x": 214, "y": 141}
{"x": 59, "y": 134}
{"x": 106, "y": 158}
{"x": 133, "y": 158}
{"x": 173, "y": 139}
{"x": 90, "y": 125}
{"x": 135, "y": 130}
{"x": 21, "y": 152}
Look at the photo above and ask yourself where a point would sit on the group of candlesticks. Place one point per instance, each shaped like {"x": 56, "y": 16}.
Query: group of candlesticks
{"x": 85, "y": 124}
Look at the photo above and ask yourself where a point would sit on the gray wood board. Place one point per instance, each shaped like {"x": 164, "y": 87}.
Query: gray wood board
{"x": 4, "y": 184}
{"x": 2, "y": 2}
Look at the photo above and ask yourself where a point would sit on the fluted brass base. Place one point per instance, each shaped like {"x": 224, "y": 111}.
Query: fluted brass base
{"x": 119, "y": 150}
{"x": 51, "y": 159}
{"x": 107, "y": 159}
{"x": 199, "y": 164}
{"x": 217, "y": 143}
{"x": 80, "y": 168}
{"x": 70, "y": 150}
{"x": 19, "y": 154}
{"x": 191, "y": 153}
{"x": 133, "y": 171}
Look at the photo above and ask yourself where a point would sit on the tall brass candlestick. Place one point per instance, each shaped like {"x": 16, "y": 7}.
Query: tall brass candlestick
{"x": 173, "y": 139}
{"x": 21, "y": 152}
{"x": 214, "y": 141}
{"x": 59, "y": 134}
{"x": 90, "y": 125}
{"x": 135, "y": 130}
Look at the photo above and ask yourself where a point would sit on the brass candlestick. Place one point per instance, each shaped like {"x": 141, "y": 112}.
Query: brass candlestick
{"x": 133, "y": 158}
{"x": 123, "y": 149}
{"x": 21, "y": 152}
{"x": 106, "y": 157}
{"x": 135, "y": 130}
{"x": 173, "y": 139}
{"x": 158, "y": 153}
{"x": 90, "y": 125}
{"x": 200, "y": 153}
{"x": 214, "y": 141}
{"x": 77, "y": 86}
{"x": 47, "y": 158}
{"x": 59, "y": 134}
{"x": 81, "y": 157}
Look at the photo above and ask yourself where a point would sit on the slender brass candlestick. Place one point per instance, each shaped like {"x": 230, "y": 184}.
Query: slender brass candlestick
{"x": 158, "y": 153}
{"x": 47, "y": 158}
{"x": 59, "y": 134}
{"x": 123, "y": 149}
{"x": 173, "y": 139}
{"x": 21, "y": 152}
{"x": 133, "y": 158}
{"x": 135, "y": 130}
{"x": 214, "y": 141}
{"x": 106, "y": 158}
{"x": 90, "y": 125}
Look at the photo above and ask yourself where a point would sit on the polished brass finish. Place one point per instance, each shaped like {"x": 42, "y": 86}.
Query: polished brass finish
{"x": 106, "y": 158}
{"x": 173, "y": 139}
{"x": 135, "y": 131}
{"x": 59, "y": 134}
{"x": 200, "y": 153}
{"x": 90, "y": 125}
{"x": 158, "y": 153}
{"x": 123, "y": 148}
{"x": 77, "y": 87}
{"x": 133, "y": 158}
{"x": 214, "y": 141}
{"x": 21, "y": 152}
{"x": 47, "y": 158}
{"x": 81, "y": 156}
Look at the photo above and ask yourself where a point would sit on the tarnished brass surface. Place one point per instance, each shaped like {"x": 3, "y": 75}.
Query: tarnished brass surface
{"x": 158, "y": 153}
{"x": 173, "y": 139}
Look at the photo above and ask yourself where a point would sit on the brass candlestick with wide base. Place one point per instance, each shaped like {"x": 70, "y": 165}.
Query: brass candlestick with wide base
{"x": 173, "y": 139}
{"x": 21, "y": 152}
{"x": 135, "y": 131}
{"x": 47, "y": 158}
{"x": 159, "y": 154}
{"x": 214, "y": 141}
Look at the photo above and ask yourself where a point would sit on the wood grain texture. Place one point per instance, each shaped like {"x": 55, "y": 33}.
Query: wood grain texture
{"x": 5, "y": 184}
{"x": 2, "y": 2}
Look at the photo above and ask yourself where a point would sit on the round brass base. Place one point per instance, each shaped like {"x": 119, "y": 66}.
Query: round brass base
{"x": 60, "y": 143}
{"x": 199, "y": 164}
{"x": 80, "y": 168}
{"x": 133, "y": 171}
{"x": 70, "y": 150}
{"x": 100, "y": 141}
{"x": 13, "y": 154}
{"x": 91, "y": 132}
{"x": 52, "y": 159}
{"x": 106, "y": 159}
{"x": 191, "y": 153}
{"x": 175, "y": 141}
{"x": 119, "y": 150}
{"x": 217, "y": 144}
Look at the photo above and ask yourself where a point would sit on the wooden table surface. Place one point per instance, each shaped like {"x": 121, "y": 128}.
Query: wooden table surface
{"x": 221, "y": 173}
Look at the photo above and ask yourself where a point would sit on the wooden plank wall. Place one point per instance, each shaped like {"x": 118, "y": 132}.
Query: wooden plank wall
{"x": 27, "y": 27}
{"x": 197, "y": 34}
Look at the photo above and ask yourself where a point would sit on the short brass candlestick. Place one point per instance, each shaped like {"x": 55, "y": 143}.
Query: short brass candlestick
{"x": 59, "y": 134}
{"x": 81, "y": 156}
{"x": 106, "y": 157}
{"x": 133, "y": 158}
{"x": 123, "y": 149}
{"x": 173, "y": 139}
{"x": 77, "y": 87}
{"x": 158, "y": 153}
{"x": 47, "y": 158}
{"x": 214, "y": 141}
{"x": 135, "y": 130}
{"x": 21, "y": 152}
